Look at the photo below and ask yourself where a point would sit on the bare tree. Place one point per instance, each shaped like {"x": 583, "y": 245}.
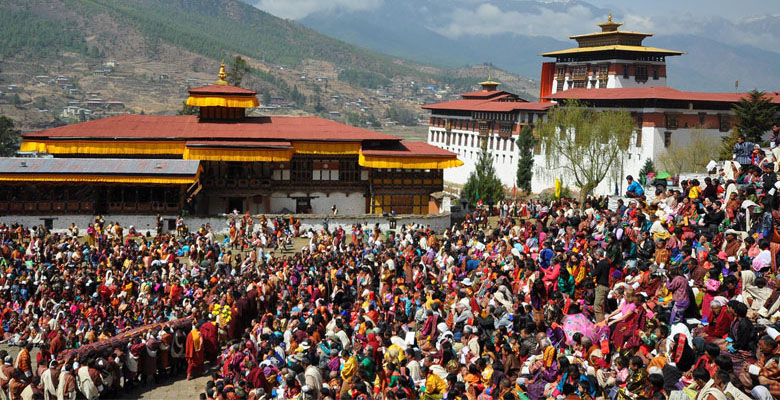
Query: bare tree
{"x": 585, "y": 142}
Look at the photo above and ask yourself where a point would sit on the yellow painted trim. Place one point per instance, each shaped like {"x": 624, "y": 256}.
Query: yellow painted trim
{"x": 245, "y": 155}
{"x": 641, "y": 49}
{"x": 222, "y": 101}
{"x": 326, "y": 148}
{"x": 112, "y": 147}
{"x": 96, "y": 179}
{"x": 408, "y": 162}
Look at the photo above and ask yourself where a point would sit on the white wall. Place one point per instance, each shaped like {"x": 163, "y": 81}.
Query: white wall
{"x": 281, "y": 201}
{"x": 504, "y": 161}
{"x": 144, "y": 223}
{"x": 347, "y": 203}
{"x": 635, "y": 158}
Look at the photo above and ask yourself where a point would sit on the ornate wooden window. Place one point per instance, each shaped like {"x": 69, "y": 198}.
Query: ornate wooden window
{"x": 671, "y": 121}
{"x": 603, "y": 75}
{"x": 641, "y": 73}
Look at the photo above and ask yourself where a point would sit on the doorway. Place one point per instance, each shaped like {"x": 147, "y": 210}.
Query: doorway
{"x": 235, "y": 203}
{"x": 303, "y": 205}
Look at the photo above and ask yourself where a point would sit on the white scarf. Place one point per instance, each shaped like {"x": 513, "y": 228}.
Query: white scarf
{"x": 48, "y": 385}
{"x": 61, "y": 395}
{"x": 86, "y": 385}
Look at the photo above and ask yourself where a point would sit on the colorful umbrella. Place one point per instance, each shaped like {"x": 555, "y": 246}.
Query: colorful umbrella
{"x": 663, "y": 175}
{"x": 578, "y": 323}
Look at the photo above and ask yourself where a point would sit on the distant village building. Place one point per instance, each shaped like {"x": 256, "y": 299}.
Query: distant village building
{"x": 219, "y": 161}
{"x": 609, "y": 70}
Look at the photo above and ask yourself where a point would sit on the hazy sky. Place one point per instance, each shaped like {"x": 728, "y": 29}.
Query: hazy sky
{"x": 710, "y": 8}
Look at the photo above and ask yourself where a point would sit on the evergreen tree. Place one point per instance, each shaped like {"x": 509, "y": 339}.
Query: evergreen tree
{"x": 9, "y": 137}
{"x": 238, "y": 68}
{"x": 755, "y": 115}
{"x": 525, "y": 163}
{"x": 187, "y": 110}
{"x": 727, "y": 147}
{"x": 483, "y": 184}
{"x": 649, "y": 167}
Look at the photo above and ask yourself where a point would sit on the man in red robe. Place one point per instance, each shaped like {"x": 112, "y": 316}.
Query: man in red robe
{"x": 58, "y": 343}
{"x": 194, "y": 352}
{"x": 208, "y": 331}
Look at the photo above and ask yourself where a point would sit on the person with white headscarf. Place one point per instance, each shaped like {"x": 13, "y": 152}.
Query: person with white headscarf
{"x": 753, "y": 296}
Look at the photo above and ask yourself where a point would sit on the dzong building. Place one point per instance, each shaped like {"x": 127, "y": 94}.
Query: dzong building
{"x": 607, "y": 70}
{"x": 219, "y": 161}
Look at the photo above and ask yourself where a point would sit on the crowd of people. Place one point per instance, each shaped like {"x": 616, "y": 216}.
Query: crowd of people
{"x": 670, "y": 297}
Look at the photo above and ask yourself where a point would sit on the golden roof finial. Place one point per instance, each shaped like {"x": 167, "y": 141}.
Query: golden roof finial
{"x": 609, "y": 18}
{"x": 222, "y": 75}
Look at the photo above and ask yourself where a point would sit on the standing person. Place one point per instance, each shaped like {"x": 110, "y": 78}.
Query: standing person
{"x": 50, "y": 380}
{"x": 742, "y": 151}
{"x": 601, "y": 275}
{"x": 23, "y": 361}
{"x": 679, "y": 288}
{"x": 194, "y": 352}
{"x": 66, "y": 387}
{"x": 87, "y": 386}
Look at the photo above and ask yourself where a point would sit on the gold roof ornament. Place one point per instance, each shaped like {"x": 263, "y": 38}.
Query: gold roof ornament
{"x": 221, "y": 75}
{"x": 610, "y": 26}
{"x": 490, "y": 83}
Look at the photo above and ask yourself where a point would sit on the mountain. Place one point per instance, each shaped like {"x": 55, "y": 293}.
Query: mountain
{"x": 511, "y": 33}
{"x": 146, "y": 53}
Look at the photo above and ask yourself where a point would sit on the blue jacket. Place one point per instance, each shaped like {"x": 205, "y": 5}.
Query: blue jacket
{"x": 636, "y": 188}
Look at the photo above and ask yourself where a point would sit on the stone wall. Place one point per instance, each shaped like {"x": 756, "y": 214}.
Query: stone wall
{"x": 144, "y": 223}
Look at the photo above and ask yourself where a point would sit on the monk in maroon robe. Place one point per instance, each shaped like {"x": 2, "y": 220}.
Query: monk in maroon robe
{"x": 208, "y": 331}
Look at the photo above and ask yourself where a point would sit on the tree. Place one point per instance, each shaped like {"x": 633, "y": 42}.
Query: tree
{"x": 727, "y": 147}
{"x": 682, "y": 159}
{"x": 755, "y": 115}
{"x": 483, "y": 184}
{"x": 238, "y": 68}
{"x": 648, "y": 168}
{"x": 16, "y": 100}
{"x": 584, "y": 143}
{"x": 187, "y": 110}
{"x": 9, "y": 137}
{"x": 525, "y": 163}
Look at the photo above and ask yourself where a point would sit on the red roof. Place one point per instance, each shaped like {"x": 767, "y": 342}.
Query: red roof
{"x": 222, "y": 89}
{"x": 241, "y": 144}
{"x": 488, "y": 105}
{"x": 661, "y": 93}
{"x": 188, "y": 127}
{"x": 410, "y": 149}
{"x": 484, "y": 93}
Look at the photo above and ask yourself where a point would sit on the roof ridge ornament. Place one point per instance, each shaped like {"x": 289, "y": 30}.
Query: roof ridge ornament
{"x": 221, "y": 75}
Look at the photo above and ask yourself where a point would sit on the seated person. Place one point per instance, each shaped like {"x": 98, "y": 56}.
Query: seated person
{"x": 634, "y": 190}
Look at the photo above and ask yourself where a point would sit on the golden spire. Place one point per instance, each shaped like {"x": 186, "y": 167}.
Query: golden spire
{"x": 222, "y": 75}
{"x": 610, "y": 26}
